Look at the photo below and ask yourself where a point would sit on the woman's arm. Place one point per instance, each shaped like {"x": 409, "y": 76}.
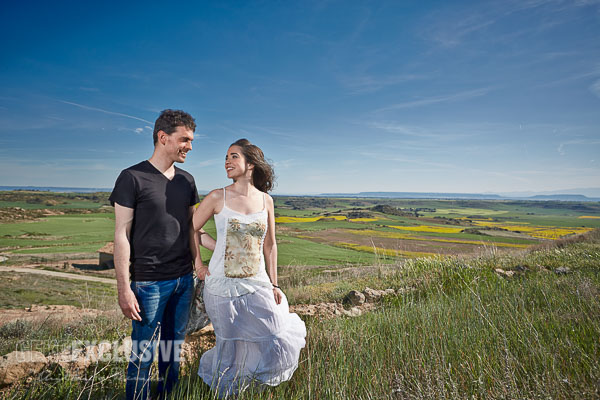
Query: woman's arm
{"x": 270, "y": 250}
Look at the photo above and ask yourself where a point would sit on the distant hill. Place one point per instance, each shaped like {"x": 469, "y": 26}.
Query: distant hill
{"x": 465, "y": 196}
{"x": 56, "y": 189}
{"x": 543, "y": 196}
{"x": 416, "y": 195}
{"x": 562, "y": 197}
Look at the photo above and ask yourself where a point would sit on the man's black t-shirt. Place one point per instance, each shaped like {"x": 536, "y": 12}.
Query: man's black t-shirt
{"x": 160, "y": 242}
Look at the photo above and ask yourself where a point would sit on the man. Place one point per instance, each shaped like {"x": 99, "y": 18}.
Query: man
{"x": 156, "y": 244}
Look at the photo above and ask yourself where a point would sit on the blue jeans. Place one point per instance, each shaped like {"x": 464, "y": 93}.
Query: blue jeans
{"x": 165, "y": 307}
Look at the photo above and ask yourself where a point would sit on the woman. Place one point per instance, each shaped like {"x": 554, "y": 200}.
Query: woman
{"x": 258, "y": 341}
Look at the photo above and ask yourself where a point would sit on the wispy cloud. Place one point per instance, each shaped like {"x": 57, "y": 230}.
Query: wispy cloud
{"x": 454, "y": 26}
{"x": 252, "y": 130}
{"x": 206, "y": 163}
{"x": 105, "y": 111}
{"x": 443, "y": 133}
{"x": 139, "y": 131}
{"x": 284, "y": 164}
{"x": 369, "y": 83}
{"x": 438, "y": 99}
{"x": 595, "y": 88}
{"x": 88, "y": 89}
{"x": 582, "y": 142}
{"x": 576, "y": 77}
{"x": 409, "y": 161}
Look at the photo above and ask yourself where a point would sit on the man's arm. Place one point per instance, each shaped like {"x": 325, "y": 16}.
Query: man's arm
{"x": 127, "y": 301}
{"x": 199, "y": 238}
{"x": 206, "y": 240}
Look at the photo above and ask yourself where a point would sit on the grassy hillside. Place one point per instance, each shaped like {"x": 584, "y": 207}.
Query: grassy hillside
{"x": 459, "y": 330}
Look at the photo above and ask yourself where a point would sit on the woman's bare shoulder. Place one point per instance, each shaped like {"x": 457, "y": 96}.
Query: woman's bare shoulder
{"x": 214, "y": 196}
{"x": 269, "y": 200}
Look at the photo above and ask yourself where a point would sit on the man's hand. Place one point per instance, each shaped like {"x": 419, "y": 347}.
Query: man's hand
{"x": 129, "y": 304}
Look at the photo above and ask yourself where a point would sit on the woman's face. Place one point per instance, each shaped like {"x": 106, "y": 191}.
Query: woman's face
{"x": 235, "y": 163}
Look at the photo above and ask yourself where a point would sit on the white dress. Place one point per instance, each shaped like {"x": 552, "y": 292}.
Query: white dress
{"x": 257, "y": 341}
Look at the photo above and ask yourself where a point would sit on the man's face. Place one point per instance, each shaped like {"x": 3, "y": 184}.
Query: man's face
{"x": 177, "y": 144}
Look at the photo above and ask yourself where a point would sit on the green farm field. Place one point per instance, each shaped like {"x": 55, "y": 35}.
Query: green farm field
{"x": 310, "y": 230}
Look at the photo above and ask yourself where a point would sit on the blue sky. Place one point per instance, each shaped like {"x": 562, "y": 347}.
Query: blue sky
{"x": 342, "y": 96}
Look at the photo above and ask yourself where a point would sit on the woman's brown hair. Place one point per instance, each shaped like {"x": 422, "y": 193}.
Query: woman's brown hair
{"x": 263, "y": 177}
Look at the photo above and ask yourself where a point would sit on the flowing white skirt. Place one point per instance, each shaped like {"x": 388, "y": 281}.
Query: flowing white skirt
{"x": 257, "y": 342}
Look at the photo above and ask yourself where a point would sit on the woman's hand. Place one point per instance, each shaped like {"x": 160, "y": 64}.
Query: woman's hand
{"x": 202, "y": 272}
{"x": 278, "y": 295}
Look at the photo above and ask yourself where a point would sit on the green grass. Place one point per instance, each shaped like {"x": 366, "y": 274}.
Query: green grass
{"x": 60, "y": 233}
{"x": 460, "y": 331}
{"x": 23, "y": 290}
{"x": 298, "y": 251}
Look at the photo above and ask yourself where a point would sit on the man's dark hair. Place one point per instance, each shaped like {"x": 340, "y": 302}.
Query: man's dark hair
{"x": 169, "y": 120}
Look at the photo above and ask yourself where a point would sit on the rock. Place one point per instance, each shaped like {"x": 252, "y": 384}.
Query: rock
{"x": 125, "y": 348}
{"x": 206, "y": 330}
{"x": 19, "y": 365}
{"x": 74, "y": 362}
{"x": 389, "y": 292}
{"x": 372, "y": 295}
{"x": 97, "y": 352}
{"x": 503, "y": 272}
{"x": 562, "y": 270}
{"x": 353, "y": 312}
{"x": 355, "y": 298}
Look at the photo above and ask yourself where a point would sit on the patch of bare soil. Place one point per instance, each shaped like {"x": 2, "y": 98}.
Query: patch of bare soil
{"x": 18, "y": 214}
{"x": 198, "y": 342}
{"x": 83, "y": 266}
{"x": 331, "y": 236}
{"x": 504, "y": 233}
{"x": 329, "y": 310}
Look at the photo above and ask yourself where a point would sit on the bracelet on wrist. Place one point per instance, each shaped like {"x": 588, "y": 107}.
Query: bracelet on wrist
{"x": 275, "y": 286}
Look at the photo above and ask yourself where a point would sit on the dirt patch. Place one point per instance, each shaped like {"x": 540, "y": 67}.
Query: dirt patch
{"x": 331, "y": 236}
{"x": 18, "y": 214}
{"x": 328, "y": 310}
{"x": 61, "y": 274}
{"x": 197, "y": 343}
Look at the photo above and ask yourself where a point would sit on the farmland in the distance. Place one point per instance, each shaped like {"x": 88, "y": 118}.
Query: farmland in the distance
{"x": 388, "y": 229}
{"x": 312, "y": 230}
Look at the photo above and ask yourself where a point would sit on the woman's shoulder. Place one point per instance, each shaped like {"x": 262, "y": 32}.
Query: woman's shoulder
{"x": 268, "y": 199}
{"x": 215, "y": 195}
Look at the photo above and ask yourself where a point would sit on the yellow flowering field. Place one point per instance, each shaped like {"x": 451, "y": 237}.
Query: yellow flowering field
{"x": 393, "y": 235}
{"x": 288, "y": 220}
{"x": 589, "y": 217}
{"x": 428, "y": 228}
{"x": 364, "y": 219}
{"x": 536, "y": 231}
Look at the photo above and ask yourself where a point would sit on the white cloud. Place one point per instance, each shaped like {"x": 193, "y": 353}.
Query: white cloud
{"x": 438, "y": 99}
{"x": 104, "y": 111}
